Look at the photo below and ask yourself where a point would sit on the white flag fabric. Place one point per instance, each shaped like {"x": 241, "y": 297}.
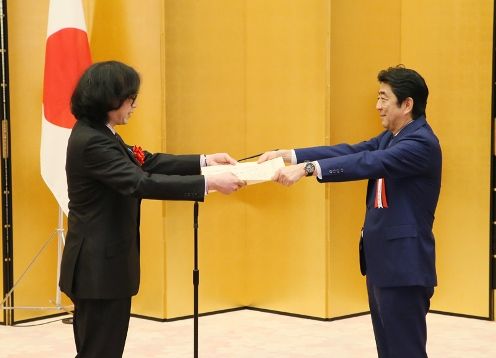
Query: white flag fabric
{"x": 67, "y": 56}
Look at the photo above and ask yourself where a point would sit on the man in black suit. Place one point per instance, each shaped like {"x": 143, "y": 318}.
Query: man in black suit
{"x": 107, "y": 179}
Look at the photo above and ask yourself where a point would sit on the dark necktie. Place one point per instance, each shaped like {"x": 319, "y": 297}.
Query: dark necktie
{"x": 119, "y": 139}
{"x": 121, "y": 142}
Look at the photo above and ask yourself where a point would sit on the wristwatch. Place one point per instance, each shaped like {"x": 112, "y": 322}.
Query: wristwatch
{"x": 309, "y": 169}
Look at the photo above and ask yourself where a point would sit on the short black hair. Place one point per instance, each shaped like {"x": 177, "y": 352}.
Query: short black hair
{"x": 404, "y": 83}
{"x": 103, "y": 87}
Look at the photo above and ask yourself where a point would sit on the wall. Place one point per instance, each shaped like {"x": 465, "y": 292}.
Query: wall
{"x": 451, "y": 44}
{"x": 287, "y": 106}
{"x": 134, "y": 35}
{"x": 355, "y": 58}
{"x": 249, "y": 76}
{"x": 112, "y": 35}
{"x": 34, "y": 211}
{"x": 434, "y": 38}
{"x": 205, "y": 109}
{"x": 234, "y": 83}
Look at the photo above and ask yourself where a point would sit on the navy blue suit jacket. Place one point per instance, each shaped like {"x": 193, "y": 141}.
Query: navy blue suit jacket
{"x": 398, "y": 244}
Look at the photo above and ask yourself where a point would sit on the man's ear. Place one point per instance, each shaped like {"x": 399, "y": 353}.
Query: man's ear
{"x": 407, "y": 105}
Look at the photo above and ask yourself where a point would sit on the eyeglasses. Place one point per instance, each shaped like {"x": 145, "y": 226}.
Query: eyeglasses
{"x": 133, "y": 98}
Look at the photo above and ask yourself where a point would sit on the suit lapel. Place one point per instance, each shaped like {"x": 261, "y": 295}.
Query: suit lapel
{"x": 105, "y": 130}
{"x": 126, "y": 148}
{"x": 412, "y": 127}
{"x": 386, "y": 138}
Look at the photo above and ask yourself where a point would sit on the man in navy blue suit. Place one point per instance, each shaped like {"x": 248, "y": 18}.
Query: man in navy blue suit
{"x": 397, "y": 250}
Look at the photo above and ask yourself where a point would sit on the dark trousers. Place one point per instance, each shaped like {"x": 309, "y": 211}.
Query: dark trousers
{"x": 100, "y": 327}
{"x": 398, "y": 317}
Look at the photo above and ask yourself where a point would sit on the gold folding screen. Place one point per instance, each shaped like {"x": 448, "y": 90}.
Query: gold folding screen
{"x": 356, "y": 56}
{"x": 460, "y": 110}
{"x": 34, "y": 211}
{"x": 244, "y": 76}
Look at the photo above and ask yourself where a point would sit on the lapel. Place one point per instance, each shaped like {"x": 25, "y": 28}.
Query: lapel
{"x": 386, "y": 138}
{"x": 108, "y": 133}
{"x": 126, "y": 148}
{"x": 412, "y": 127}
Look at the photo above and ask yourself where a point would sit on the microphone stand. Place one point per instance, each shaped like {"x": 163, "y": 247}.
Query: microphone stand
{"x": 196, "y": 282}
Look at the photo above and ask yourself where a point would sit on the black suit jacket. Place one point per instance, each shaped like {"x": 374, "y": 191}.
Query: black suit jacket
{"x": 105, "y": 186}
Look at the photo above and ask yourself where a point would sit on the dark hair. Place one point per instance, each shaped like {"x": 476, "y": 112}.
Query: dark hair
{"x": 404, "y": 83}
{"x": 103, "y": 87}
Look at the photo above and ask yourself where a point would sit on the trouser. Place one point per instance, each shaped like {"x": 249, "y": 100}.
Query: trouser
{"x": 399, "y": 320}
{"x": 100, "y": 327}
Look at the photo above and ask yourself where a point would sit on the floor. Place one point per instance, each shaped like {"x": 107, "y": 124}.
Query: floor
{"x": 254, "y": 334}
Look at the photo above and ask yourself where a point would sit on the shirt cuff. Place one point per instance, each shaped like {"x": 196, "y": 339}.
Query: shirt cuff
{"x": 294, "y": 160}
{"x": 318, "y": 169}
{"x": 203, "y": 161}
{"x": 203, "y": 164}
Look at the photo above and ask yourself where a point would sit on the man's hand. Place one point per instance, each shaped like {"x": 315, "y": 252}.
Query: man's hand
{"x": 284, "y": 153}
{"x": 219, "y": 158}
{"x": 225, "y": 183}
{"x": 290, "y": 174}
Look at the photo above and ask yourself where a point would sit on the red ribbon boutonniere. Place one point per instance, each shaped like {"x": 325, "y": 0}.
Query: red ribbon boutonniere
{"x": 380, "y": 194}
{"x": 139, "y": 154}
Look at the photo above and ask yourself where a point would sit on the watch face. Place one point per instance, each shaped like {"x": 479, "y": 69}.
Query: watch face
{"x": 309, "y": 169}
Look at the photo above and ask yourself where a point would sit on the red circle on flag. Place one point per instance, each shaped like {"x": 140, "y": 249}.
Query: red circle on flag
{"x": 67, "y": 56}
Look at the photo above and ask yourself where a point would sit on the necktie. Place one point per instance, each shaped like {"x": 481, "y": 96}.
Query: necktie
{"x": 119, "y": 139}
{"x": 124, "y": 145}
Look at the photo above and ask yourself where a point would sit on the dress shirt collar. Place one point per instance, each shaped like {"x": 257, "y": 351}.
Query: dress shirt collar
{"x": 111, "y": 128}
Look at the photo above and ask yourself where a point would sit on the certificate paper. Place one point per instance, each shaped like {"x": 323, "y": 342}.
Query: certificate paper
{"x": 251, "y": 172}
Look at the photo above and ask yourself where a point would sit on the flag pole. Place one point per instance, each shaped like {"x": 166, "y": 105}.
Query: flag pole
{"x": 60, "y": 248}
{"x": 57, "y": 304}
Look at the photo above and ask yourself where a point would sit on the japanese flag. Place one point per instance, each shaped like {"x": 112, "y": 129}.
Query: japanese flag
{"x": 67, "y": 56}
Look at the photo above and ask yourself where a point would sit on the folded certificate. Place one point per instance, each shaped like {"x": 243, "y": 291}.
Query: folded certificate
{"x": 251, "y": 172}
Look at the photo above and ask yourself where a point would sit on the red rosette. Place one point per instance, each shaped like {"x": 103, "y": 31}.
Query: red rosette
{"x": 139, "y": 154}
